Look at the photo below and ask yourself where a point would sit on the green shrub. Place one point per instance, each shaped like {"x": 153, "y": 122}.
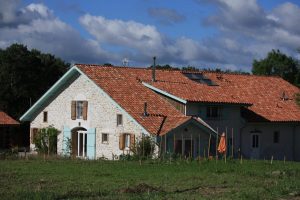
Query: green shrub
{"x": 144, "y": 148}
{"x": 46, "y": 140}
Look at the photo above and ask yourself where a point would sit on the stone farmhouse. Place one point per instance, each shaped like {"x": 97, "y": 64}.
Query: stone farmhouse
{"x": 104, "y": 110}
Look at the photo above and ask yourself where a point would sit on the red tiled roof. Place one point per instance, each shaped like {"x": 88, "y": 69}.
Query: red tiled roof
{"x": 5, "y": 119}
{"x": 124, "y": 86}
{"x": 265, "y": 93}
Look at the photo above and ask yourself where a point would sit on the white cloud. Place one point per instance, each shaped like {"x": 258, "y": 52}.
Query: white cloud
{"x": 37, "y": 27}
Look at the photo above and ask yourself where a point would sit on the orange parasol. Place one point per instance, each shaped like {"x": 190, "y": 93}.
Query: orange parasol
{"x": 222, "y": 145}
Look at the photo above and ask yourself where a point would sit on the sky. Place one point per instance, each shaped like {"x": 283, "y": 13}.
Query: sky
{"x": 227, "y": 34}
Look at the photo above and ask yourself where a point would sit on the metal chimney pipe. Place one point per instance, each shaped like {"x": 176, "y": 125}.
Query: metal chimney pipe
{"x": 145, "y": 109}
{"x": 153, "y": 70}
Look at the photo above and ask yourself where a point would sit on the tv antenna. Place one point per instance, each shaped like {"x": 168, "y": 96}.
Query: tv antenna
{"x": 125, "y": 62}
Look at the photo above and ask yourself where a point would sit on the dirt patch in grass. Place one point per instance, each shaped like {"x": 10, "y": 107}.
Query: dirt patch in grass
{"x": 205, "y": 190}
{"x": 141, "y": 188}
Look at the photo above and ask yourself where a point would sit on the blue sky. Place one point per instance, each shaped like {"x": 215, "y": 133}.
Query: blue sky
{"x": 227, "y": 34}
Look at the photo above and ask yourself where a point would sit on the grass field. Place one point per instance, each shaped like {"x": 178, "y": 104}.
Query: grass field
{"x": 77, "y": 179}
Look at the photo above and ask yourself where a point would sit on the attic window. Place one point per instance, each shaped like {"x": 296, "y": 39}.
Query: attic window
{"x": 200, "y": 78}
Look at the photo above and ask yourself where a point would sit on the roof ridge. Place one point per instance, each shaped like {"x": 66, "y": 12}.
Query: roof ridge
{"x": 124, "y": 67}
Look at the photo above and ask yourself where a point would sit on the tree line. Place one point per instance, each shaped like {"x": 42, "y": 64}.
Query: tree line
{"x": 25, "y": 75}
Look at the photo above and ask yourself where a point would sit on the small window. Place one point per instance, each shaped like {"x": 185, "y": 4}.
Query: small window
{"x": 104, "y": 138}
{"x": 127, "y": 140}
{"x": 45, "y": 116}
{"x": 276, "y": 136}
{"x": 79, "y": 109}
{"x": 119, "y": 120}
{"x": 255, "y": 141}
{"x": 213, "y": 112}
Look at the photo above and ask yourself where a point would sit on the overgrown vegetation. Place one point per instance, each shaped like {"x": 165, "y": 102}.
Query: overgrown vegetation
{"x": 46, "y": 140}
{"x": 153, "y": 179}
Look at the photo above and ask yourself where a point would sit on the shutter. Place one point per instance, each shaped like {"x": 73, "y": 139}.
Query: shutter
{"x": 85, "y": 109}
{"x": 73, "y": 110}
{"x": 91, "y": 143}
{"x": 66, "y": 138}
{"x": 122, "y": 141}
{"x": 132, "y": 140}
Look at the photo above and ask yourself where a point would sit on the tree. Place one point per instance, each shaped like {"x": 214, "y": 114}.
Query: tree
{"x": 277, "y": 63}
{"x": 24, "y": 76}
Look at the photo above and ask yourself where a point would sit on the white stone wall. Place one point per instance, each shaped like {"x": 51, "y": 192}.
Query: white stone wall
{"x": 102, "y": 115}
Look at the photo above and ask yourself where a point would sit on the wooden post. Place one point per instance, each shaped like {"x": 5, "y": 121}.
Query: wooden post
{"x": 217, "y": 139}
{"x": 199, "y": 146}
{"x": 232, "y": 143}
{"x": 284, "y": 160}
{"x": 165, "y": 143}
{"x": 174, "y": 144}
{"x": 160, "y": 149}
{"x": 182, "y": 150}
{"x": 241, "y": 159}
{"x": 208, "y": 150}
{"x": 191, "y": 146}
{"x": 271, "y": 160}
{"x": 226, "y": 143}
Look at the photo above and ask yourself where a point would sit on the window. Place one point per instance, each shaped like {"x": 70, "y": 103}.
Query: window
{"x": 127, "y": 140}
{"x": 79, "y": 109}
{"x": 104, "y": 137}
{"x": 276, "y": 135}
{"x": 213, "y": 112}
{"x": 119, "y": 120}
{"x": 45, "y": 116}
{"x": 255, "y": 141}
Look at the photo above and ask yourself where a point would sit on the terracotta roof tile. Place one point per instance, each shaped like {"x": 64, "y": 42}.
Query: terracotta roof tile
{"x": 260, "y": 94}
{"x": 123, "y": 85}
{"x": 5, "y": 119}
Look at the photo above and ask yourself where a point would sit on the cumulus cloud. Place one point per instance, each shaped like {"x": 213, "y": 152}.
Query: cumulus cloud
{"x": 166, "y": 16}
{"x": 248, "y": 21}
{"x": 37, "y": 27}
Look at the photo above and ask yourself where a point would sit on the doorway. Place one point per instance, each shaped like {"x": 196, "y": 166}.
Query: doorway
{"x": 79, "y": 142}
{"x": 255, "y": 146}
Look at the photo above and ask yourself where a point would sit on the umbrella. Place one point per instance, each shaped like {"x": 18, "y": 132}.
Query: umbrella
{"x": 222, "y": 145}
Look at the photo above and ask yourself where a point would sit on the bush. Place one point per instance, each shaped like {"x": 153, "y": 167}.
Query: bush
{"x": 144, "y": 148}
{"x": 46, "y": 140}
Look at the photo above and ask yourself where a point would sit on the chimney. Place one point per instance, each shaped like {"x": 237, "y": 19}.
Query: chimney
{"x": 145, "y": 109}
{"x": 153, "y": 70}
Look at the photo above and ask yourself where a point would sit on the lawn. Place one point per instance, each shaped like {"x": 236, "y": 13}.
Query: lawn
{"x": 78, "y": 179}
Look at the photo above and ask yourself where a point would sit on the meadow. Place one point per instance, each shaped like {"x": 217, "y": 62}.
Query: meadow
{"x": 36, "y": 178}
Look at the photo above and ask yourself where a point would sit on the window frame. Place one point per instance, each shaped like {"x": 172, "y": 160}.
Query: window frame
{"x": 127, "y": 141}
{"x": 79, "y": 108}
{"x": 210, "y": 112}
{"x": 255, "y": 141}
{"x": 45, "y": 116}
{"x": 119, "y": 120}
{"x": 107, "y": 138}
{"x": 276, "y": 137}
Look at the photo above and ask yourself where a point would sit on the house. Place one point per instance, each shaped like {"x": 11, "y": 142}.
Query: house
{"x": 7, "y": 123}
{"x": 104, "y": 110}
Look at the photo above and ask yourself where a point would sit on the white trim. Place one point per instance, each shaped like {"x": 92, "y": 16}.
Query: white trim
{"x": 164, "y": 93}
{"x": 112, "y": 100}
{"x": 40, "y": 101}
